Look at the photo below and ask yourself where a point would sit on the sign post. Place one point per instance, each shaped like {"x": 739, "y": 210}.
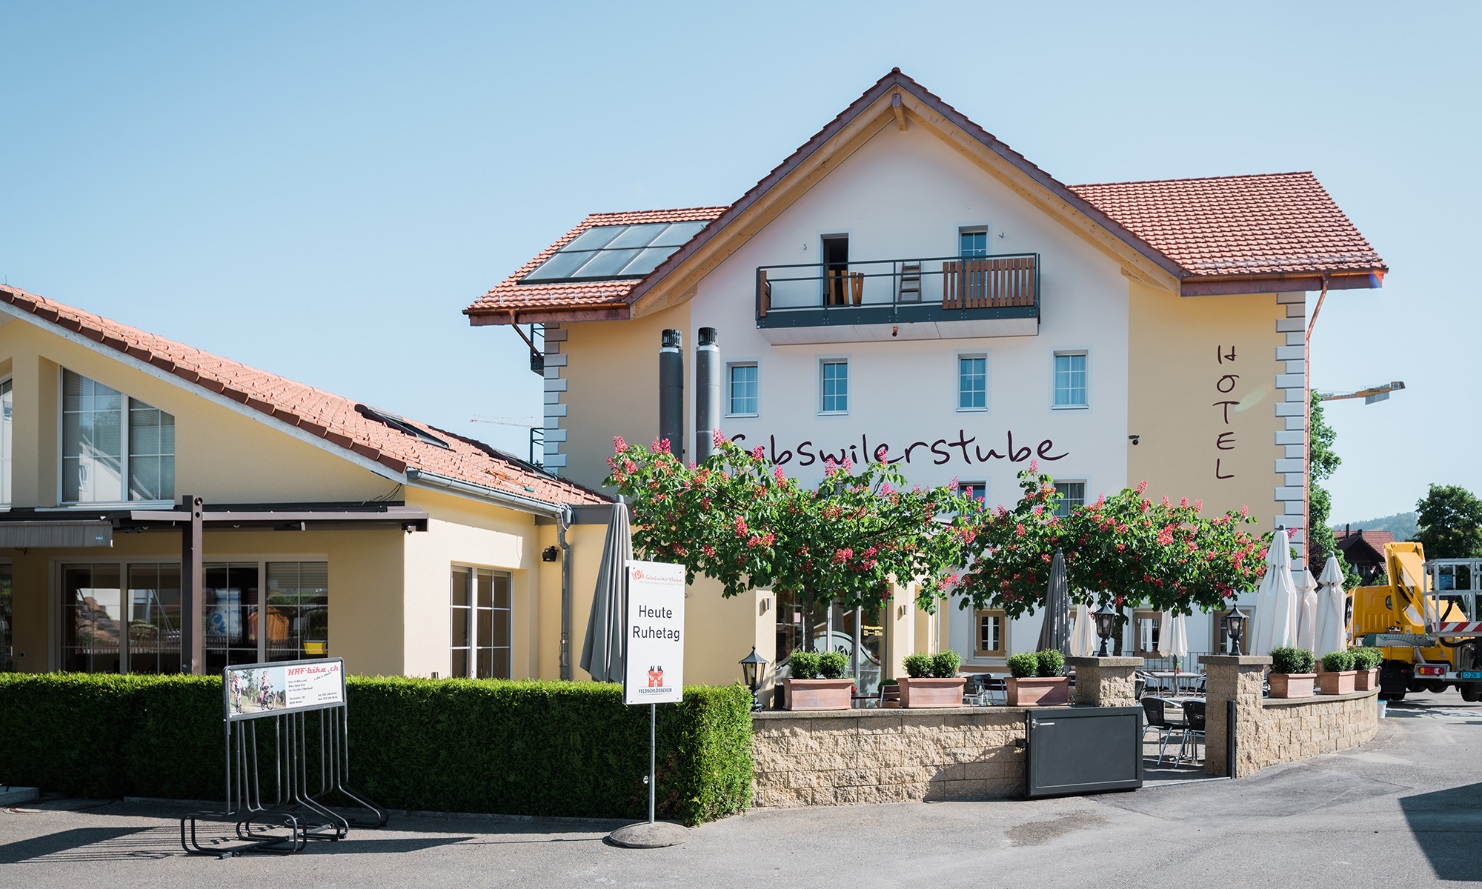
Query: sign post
{"x": 653, "y": 672}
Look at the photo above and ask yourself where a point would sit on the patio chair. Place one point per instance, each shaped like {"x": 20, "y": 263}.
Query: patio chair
{"x": 1193, "y": 730}
{"x": 1153, "y": 708}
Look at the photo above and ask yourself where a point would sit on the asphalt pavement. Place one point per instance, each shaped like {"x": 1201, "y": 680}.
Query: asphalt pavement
{"x": 1405, "y": 809}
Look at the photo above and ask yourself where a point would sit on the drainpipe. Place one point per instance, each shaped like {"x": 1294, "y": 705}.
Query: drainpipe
{"x": 1307, "y": 426}
{"x": 707, "y": 393}
{"x": 563, "y": 521}
{"x": 671, "y": 392}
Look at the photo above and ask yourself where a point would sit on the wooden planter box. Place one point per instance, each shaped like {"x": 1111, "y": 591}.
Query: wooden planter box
{"x": 1339, "y": 683}
{"x": 931, "y": 692}
{"x": 1366, "y": 680}
{"x": 1038, "y": 691}
{"x": 1292, "y": 685}
{"x": 817, "y": 694}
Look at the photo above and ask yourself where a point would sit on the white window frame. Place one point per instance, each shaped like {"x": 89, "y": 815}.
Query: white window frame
{"x": 824, "y": 362}
{"x": 980, "y": 489}
{"x": 7, "y": 440}
{"x": 1005, "y": 629}
{"x": 972, "y": 230}
{"x": 972, "y": 356}
{"x": 730, "y": 392}
{"x": 1064, "y": 508}
{"x": 1055, "y": 357}
{"x": 473, "y": 644}
{"x": 124, "y": 420}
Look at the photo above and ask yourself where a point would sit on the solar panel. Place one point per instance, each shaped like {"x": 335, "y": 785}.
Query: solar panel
{"x": 614, "y": 251}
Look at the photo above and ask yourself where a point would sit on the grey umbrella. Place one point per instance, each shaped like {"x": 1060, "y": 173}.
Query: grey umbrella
{"x": 1054, "y": 633}
{"x": 602, "y": 652}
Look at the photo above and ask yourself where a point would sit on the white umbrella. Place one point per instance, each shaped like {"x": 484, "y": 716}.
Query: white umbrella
{"x": 1173, "y": 635}
{"x": 1275, "y": 599}
{"x": 1083, "y": 640}
{"x": 1307, "y": 611}
{"x": 1332, "y": 633}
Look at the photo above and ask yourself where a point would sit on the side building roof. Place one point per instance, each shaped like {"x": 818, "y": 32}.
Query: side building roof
{"x": 337, "y": 420}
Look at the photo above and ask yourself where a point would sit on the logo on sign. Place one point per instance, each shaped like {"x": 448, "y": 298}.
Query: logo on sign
{"x": 656, "y": 677}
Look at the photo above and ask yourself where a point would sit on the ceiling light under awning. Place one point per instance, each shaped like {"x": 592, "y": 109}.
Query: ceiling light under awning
{"x": 25, "y": 535}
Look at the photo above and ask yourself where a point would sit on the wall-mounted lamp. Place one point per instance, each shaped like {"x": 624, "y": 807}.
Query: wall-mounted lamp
{"x": 550, "y": 554}
{"x": 1133, "y": 438}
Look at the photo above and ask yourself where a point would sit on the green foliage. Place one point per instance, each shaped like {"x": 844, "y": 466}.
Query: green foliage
{"x": 745, "y": 523}
{"x": 1024, "y": 664}
{"x": 1450, "y": 520}
{"x": 832, "y": 664}
{"x": 1336, "y": 661}
{"x": 1049, "y": 662}
{"x": 804, "y": 664}
{"x": 1124, "y": 549}
{"x": 945, "y": 663}
{"x": 1322, "y": 463}
{"x": 918, "y": 665}
{"x": 1366, "y": 658}
{"x": 1287, "y": 659}
{"x": 529, "y": 748}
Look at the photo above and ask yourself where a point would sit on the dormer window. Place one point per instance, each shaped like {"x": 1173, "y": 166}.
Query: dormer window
{"x": 401, "y": 424}
{"x": 115, "y": 449}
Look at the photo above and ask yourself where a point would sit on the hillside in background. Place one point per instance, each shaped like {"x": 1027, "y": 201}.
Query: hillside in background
{"x": 1401, "y": 524}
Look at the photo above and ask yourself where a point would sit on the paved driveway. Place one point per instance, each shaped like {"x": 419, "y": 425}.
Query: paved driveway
{"x": 1405, "y": 809}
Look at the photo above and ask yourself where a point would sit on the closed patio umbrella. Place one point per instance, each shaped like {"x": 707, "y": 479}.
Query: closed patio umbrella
{"x": 1083, "y": 640}
{"x": 602, "y": 652}
{"x": 1173, "y": 635}
{"x": 1054, "y": 633}
{"x": 1307, "y": 611}
{"x": 1332, "y": 629}
{"x": 1273, "y": 622}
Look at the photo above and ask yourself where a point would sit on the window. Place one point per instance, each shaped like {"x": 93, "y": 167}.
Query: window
{"x": 109, "y": 440}
{"x": 835, "y": 386}
{"x": 1072, "y": 494}
{"x": 972, "y": 242}
{"x": 1145, "y": 633}
{"x": 5, "y": 443}
{"x": 741, "y": 390}
{"x": 977, "y": 490}
{"x": 993, "y": 634}
{"x": 972, "y": 382}
{"x": 1070, "y": 379}
{"x": 482, "y": 624}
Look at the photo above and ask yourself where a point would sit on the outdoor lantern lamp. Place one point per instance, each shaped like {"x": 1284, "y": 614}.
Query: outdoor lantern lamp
{"x": 1106, "y": 624}
{"x": 752, "y": 667}
{"x": 1234, "y": 624}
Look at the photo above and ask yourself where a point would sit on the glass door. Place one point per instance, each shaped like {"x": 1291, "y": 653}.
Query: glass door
{"x": 153, "y": 643}
{"x": 92, "y": 619}
{"x": 7, "y": 618}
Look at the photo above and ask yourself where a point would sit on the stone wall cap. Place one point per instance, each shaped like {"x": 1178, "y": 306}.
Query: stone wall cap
{"x": 1319, "y": 699}
{"x": 1235, "y": 660}
{"x": 1104, "y": 661}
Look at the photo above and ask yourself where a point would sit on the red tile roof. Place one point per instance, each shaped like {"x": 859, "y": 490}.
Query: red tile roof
{"x": 1374, "y": 538}
{"x": 512, "y": 296}
{"x": 1279, "y": 223}
{"x": 1196, "y": 229}
{"x": 320, "y": 414}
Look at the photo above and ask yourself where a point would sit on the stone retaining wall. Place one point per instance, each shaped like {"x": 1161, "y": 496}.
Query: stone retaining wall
{"x": 1288, "y": 729}
{"x": 841, "y": 757}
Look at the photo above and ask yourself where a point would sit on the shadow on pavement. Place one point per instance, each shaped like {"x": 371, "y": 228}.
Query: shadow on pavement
{"x": 1446, "y": 824}
{"x": 92, "y": 844}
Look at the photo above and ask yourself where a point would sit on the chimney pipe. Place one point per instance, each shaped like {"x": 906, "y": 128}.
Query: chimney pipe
{"x": 707, "y": 393}
{"x": 671, "y": 393}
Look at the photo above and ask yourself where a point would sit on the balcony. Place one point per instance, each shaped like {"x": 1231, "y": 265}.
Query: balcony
{"x": 947, "y": 297}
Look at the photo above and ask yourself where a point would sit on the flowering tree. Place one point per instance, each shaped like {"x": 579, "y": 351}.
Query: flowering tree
{"x": 746, "y": 524}
{"x": 1124, "y": 549}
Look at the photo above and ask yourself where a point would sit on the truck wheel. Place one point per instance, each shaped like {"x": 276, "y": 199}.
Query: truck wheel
{"x": 1435, "y": 685}
{"x": 1415, "y": 685}
{"x": 1392, "y": 695}
{"x": 1470, "y": 693}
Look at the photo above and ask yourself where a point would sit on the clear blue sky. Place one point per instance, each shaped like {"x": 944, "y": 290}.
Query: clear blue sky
{"x": 318, "y": 189}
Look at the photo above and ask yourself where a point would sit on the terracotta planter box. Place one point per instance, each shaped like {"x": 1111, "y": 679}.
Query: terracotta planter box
{"x": 1366, "y": 680}
{"x": 931, "y": 692}
{"x": 1292, "y": 685}
{"x": 1339, "y": 683}
{"x": 817, "y": 694}
{"x": 1038, "y": 691}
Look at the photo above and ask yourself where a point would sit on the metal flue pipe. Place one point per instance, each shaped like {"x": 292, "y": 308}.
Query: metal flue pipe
{"x": 707, "y": 393}
{"x": 671, "y": 392}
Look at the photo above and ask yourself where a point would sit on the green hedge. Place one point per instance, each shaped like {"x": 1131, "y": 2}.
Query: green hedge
{"x": 530, "y": 748}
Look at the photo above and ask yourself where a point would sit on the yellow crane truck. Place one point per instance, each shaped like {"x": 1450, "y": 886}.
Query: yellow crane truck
{"x": 1426, "y": 620}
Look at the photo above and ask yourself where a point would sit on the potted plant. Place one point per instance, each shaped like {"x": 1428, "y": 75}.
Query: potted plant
{"x": 1035, "y": 679}
{"x": 816, "y": 681}
{"x": 1291, "y": 672}
{"x": 932, "y": 680}
{"x": 1366, "y": 662}
{"x": 1337, "y": 675}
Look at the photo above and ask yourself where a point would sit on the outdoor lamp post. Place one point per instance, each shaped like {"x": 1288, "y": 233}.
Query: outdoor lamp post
{"x": 1234, "y": 624}
{"x": 1106, "y": 624}
{"x": 752, "y": 667}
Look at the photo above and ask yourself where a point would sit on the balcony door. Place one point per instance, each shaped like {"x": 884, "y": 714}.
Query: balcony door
{"x": 836, "y": 269}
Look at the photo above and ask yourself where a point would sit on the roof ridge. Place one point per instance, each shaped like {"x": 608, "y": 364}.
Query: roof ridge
{"x": 1197, "y": 179}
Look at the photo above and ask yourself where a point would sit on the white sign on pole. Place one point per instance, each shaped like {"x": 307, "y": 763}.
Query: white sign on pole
{"x": 654, "y": 672}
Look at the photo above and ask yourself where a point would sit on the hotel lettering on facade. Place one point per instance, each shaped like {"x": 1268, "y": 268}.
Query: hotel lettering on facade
{"x": 906, "y": 283}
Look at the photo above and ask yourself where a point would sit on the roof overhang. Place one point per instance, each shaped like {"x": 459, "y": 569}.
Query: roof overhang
{"x": 24, "y": 529}
{"x": 1288, "y": 283}
{"x": 515, "y": 317}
